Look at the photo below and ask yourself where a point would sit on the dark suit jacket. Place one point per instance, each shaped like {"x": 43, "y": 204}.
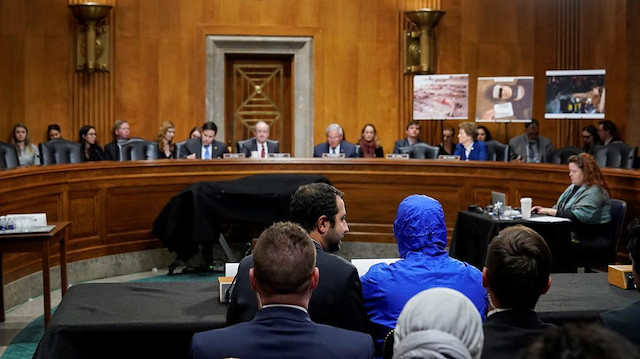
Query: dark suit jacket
{"x": 402, "y": 143}
{"x": 194, "y": 145}
{"x": 507, "y": 333}
{"x": 272, "y": 147}
{"x": 347, "y": 148}
{"x": 112, "y": 151}
{"x": 281, "y": 332}
{"x": 337, "y": 301}
{"x": 624, "y": 321}
{"x": 518, "y": 147}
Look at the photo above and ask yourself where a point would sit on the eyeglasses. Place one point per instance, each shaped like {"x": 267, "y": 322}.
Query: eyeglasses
{"x": 587, "y": 136}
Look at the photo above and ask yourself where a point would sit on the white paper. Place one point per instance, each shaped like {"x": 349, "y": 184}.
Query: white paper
{"x": 548, "y": 219}
{"x": 363, "y": 265}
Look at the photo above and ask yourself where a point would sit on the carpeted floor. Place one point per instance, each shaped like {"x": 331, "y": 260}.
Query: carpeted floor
{"x": 23, "y": 346}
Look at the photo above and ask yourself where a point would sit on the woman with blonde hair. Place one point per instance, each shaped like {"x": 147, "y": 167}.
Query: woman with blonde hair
{"x": 28, "y": 153}
{"x": 166, "y": 147}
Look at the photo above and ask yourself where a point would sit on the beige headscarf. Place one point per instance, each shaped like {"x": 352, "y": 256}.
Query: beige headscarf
{"x": 439, "y": 323}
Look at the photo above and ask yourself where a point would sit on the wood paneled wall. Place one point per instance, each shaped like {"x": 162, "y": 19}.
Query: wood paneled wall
{"x": 157, "y": 62}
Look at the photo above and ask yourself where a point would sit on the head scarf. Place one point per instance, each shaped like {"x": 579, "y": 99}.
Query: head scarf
{"x": 439, "y": 323}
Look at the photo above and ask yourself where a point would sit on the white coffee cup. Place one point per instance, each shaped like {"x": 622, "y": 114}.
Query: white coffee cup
{"x": 254, "y": 154}
{"x": 525, "y": 207}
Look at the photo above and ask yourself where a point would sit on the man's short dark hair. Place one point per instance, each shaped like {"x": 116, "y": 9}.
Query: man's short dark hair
{"x": 210, "y": 125}
{"x": 313, "y": 200}
{"x": 633, "y": 231}
{"x": 284, "y": 258}
{"x": 414, "y": 122}
{"x": 608, "y": 125}
{"x": 533, "y": 122}
{"x": 585, "y": 341}
{"x": 518, "y": 265}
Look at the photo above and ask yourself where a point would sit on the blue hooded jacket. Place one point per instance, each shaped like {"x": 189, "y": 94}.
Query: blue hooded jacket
{"x": 421, "y": 234}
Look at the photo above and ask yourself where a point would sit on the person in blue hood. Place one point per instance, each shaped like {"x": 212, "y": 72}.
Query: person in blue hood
{"x": 424, "y": 263}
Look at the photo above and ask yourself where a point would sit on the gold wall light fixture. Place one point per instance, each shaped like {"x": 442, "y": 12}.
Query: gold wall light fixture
{"x": 92, "y": 36}
{"x": 420, "y": 56}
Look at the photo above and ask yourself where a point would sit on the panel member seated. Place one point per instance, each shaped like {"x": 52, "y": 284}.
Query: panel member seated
{"x": 530, "y": 146}
{"x": 260, "y": 144}
{"x": 284, "y": 276}
{"x": 121, "y": 135}
{"x": 335, "y": 143}
{"x": 516, "y": 273}
{"x": 608, "y": 132}
{"x": 413, "y": 131}
{"x": 205, "y": 147}
{"x": 468, "y": 147}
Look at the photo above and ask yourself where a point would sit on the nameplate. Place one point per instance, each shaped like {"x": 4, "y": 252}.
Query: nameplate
{"x": 333, "y": 155}
{"x": 279, "y": 155}
{"x": 449, "y": 157}
{"x": 397, "y": 156}
{"x": 233, "y": 155}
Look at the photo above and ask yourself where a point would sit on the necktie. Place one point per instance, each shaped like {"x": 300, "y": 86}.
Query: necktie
{"x": 207, "y": 154}
{"x": 333, "y": 151}
{"x": 262, "y": 154}
{"x": 532, "y": 153}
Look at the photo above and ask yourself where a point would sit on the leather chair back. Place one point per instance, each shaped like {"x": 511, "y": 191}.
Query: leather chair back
{"x": 615, "y": 155}
{"x": 138, "y": 149}
{"x": 8, "y": 156}
{"x": 497, "y": 151}
{"x": 178, "y": 147}
{"x": 561, "y": 155}
{"x": 618, "y": 212}
{"x": 240, "y": 144}
{"x": 420, "y": 151}
{"x": 59, "y": 151}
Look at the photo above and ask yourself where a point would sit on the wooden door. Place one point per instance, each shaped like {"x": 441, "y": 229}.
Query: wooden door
{"x": 258, "y": 88}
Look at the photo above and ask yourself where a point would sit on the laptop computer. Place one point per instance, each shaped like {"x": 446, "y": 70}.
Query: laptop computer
{"x": 498, "y": 197}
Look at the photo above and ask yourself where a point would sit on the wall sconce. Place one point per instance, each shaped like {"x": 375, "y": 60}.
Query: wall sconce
{"x": 92, "y": 38}
{"x": 420, "y": 46}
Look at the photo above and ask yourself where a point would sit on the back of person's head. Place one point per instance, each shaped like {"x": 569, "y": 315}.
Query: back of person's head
{"x": 533, "y": 122}
{"x": 210, "y": 125}
{"x": 438, "y": 323}
{"x": 284, "y": 259}
{"x": 633, "y": 233}
{"x": 518, "y": 264}
{"x": 590, "y": 169}
{"x": 419, "y": 225}
{"x": 610, "y": 126}
{"x": 312, "y": 201}
{"x": 581, "y": 341}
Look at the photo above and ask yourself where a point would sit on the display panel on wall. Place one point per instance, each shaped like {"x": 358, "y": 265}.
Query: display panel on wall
{"x": 440, "y": 97}
{"x": 504, "y": 99}
{"x": 575, "y": 94}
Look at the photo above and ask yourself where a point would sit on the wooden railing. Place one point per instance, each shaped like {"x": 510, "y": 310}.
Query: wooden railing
{"x": 112, "y": 205}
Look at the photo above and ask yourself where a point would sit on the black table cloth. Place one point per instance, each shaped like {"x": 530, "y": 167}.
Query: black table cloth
{"x": 474, "y": 231}
{"x": 194, "y": 215}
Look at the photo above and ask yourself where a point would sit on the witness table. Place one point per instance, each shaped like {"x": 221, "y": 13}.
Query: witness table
{"x": 157, "y": 320}
{"x": 38, "y": 242}
{"x": 474, "y": 231}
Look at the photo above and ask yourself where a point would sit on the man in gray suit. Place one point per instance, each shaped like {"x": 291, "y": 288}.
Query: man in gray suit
{"x": 205, "y": 147}
{"x": 530, "y": 146}
{"x": 260, "y": 143}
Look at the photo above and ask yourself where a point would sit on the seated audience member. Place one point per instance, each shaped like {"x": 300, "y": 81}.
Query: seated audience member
{"x": 608, "y": 132}
{"x": 446, "y": 146}
{"x": 530, "y": 146}
{"x": 468, "y": 147}
{"x": 584, "y": 341}
{"x": 319, "y": 208}
{"x": 590, "y": 139}
{"x": 335, "y": 143}
{"x": 89, "y": 142}
{"x": 421, "y": 233}
{"x": 438, "y": 323}
{"x": 166, "y": 147}
{"x": 53, "y": 131}
{"x": 369, "y": 143}
{"x": 196, "y": 132}
{"x": 625, "y": 321}
{"x": 516, "y": 273}
{"x": 413, "y": 131}
{"x": 28, "y": 153}
{"x": 284, "y": 277}
{"x": 260, "y": 144}
{"x": 484, "y": 134}
{"x": 586, "y": 203}
{"x": 121, "y": 134}
{"x": 205, "y": 147}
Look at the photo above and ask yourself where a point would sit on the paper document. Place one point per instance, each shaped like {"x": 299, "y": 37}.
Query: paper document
{"x": 549, "y": 219}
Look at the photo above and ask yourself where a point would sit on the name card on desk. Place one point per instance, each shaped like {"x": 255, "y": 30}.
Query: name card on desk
{"x": 397, "y": 156}
{"x": 233, "y": 155}
{"x": 621, "y": 275}
{"x": 224, "y": 284}
{"x": 333, "y": 155}
{"x": 35, "y": 219}
{"x": 279, "y": 155}
{"x": 449, "y": 157}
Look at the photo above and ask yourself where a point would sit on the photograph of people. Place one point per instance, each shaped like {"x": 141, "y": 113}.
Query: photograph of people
{"x": 575, "y": 94}
{"x": 504, "y": 98}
